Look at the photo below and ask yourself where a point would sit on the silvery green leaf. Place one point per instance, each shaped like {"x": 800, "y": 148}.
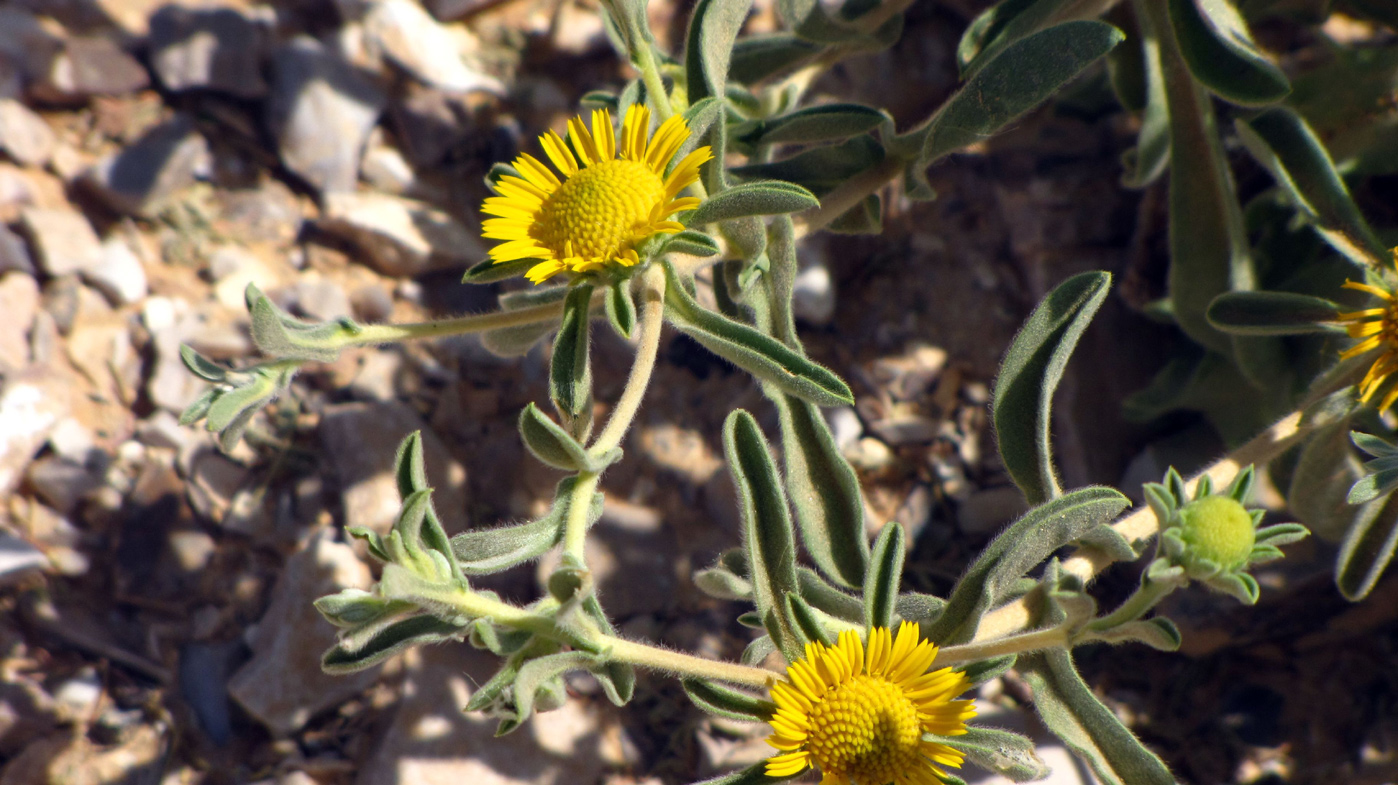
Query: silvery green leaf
{"x": 1022, "y": 408}
{"x": 489, "y": 696}
{"x": 618, "y": 679}
{"x": 1367, "y": 550}
{"x": 599, "y": 99}
{"x": 229, "y": 405}
{"x": 808, "y": 623}
{"x": 498, "y": 171}
{"x": 1325, "y": 472}
{"x": 628, "y": 27}
{"x": 885, "y": 576}
{"x": 570, "y": 371}
{"x": 354, "y": 607}
{"x": 759, "y": 650}
{"x": 758, "y": 354}
{"x": 539, "y": 672}
{"x": 1091, "y": 730}
{"x": 1017, "y": 550}
{"x": 828, "y": 599}
{"x": 1372, "y": 444}
{"x": 1282, "y": 141}
{"x": 690, "y": 242}
{"x": 621, "y": 308}
{"x": 548, "y": 442}
{"x": 755, "y": 774}
{"x": 720, "y": 583}
{"x": 1216, "y": 44}
{"x": 767, "y": 533}
{"x": 983, "y": 671}
{"x": 515, "y": 341}
{"x": 486, "y": 551}
{"x": 821, "y": 168}
{"x": 1017, "y": 79}
{"x": 1158, "y": 633}
{"x": 863, "y": 218}
{"x": 1271, "y": 313}
{"x": 1012, "y": 20}
{"x": 1003, "y": 752}
{"x": 825, "y": 492}
{"x": 201, "y": 366}
{"x": 395, "y": 638}
{"x": 490, "y": 271}
{"x": 705, "y": 119}
{"x": 758, "y": 57}
{"x": 1362, "y": 143}
{"x": 1151, "y": 155}
{"x": 752, "y": 199}
{"x": 823, "y": 123}
{"x": 723, "y": 701}
{"x": 411, "y": 473}
{"x": 713, "y": 27}
{"x": 533, "y": 296}
{"x": 279, "y": 334}
{"x": 918, "y": 607}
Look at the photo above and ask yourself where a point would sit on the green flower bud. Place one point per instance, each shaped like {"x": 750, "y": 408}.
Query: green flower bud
{"x": 1219, "y": 529}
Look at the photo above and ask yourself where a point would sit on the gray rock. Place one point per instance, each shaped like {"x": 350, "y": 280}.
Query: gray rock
{"x": 813, "y": 296}
{"x": 62, "y": 484}
{"x": 204, "y": 686}
{"x": 360, "y": 440}
{"x": 448, "y": 10}
{"x": 120, "y": 275}
{"x": 433, "y": 742}
{"x": 31, "y": 406}
{"x": 19, "y": 302}
{"x": 18, "y": 558}
{"x": 24, "y": 136}
{"x": 371, "y": 303}
{"x": 77, "y": 697}
{"x": 378, "y": 375}
{"x": 321, "y": 111}
{"x": 217, "y": 49}
{"x": 408, "y": 36}
{"x": 282, "y": 686}
{"x": 72, "y": 441}
{"x": 387, "y": 170}
{"x": 63, "y": 240}
{"x": 987, "y": 511}
{"x": 163, "y": 429}
{"x": 844, "y": 426}
{"x": 322, "y": 299}
{"x": 25, "y": 43}
{"x": 140, "y": 178}
{"x": 214, "y": 479}
{"x": 14, "y": 256}
{"x": 89, "y": 66}
{"x": 400, "y": 237}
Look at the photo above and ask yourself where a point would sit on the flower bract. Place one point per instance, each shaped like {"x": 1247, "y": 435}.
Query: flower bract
{"x": 1378, "y": 327}
{"x": 859, "y": 714}
{"x": 608, "y": 200}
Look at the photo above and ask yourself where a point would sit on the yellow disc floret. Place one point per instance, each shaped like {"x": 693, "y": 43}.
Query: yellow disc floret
{"x": 608, "y": 200}
{"x": 1219, "y": 529}
{"x": 859, "y": 714}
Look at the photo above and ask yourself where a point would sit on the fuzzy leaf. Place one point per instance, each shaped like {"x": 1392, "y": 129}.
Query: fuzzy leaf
{"x": 824, "y": 123}
{"x": 570, "y": 371}
{"x": 1282, "y": 141}
{"x": 807, "y": 622}
{"x": 1158, "y": 633}
{"x": 395, "y": 638}
{"x": 759, "y": 56}
{"x": 885, "y": 575}
{"x": 1017, "y": 550}
{"x": 1070, "y": 710}
{"x": 1019, "y": 78}
{"x": 1216, "y": 44}
{"x": 1023, "y": 405}
{"x": 821, "y": 168}
{"x": 279, "y": 334}
{"x": 1003, "y": 752}
{"x": 1151, "y": 155}
{"x": 713, "y": 27}
{"x": 715, "y": 698}
{"x": 691, "y": 242}
{"x": 621, "y": 308}
{"x": 356, "y": 607}
{"x": 491, "y": 271}
{"x": 548, "y": 442}
{"x": 984, "y": 670}
{"x": 1012, "y": 20}
{"x": 1271, "y": 313}
{"x": 486, "y": 551}
{"x": 1366, "y": 551}
{"x": 827, "y": 598}
{"x": 1325, "y": 472}
{"x": 755, "y": 774}
{"x": 201, "y": 366}
{"x": 752, "y": 199}
{"x": 758, "y": 354}
{"x": 535, "y": 674}
{"x": 767, "y": 533}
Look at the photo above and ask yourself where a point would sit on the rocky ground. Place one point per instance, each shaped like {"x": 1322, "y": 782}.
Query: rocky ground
{"x": 157, "y": 626}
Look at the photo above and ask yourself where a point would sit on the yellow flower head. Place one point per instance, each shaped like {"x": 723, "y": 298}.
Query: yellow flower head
{"x": 1379, "y": 328}
{"x": 859, "y": 715}
{"x": 603, "y": 206}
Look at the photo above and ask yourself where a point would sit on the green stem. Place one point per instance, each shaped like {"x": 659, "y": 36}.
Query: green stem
{"x": 575, "y": 528}
{"x": 370, "y": 334}
{"x": 1146, "y": 597}
{"x": 852, "y": 192}
{"x": 674, "y": 662}
{"x": 647, "y": 348}
{"x": 650, "y": 74}
{"x": 1053, "y": 637}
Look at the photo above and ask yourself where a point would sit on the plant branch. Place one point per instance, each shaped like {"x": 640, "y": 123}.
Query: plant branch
{"x": 852, "y": 192}
{"x": 1021, "y": 643}
{"x": 647, "y": 348}
{"x": 655, "y": 658}
{"x": 370, "y": 334}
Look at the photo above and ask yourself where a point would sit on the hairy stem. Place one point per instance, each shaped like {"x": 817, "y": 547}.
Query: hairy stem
{"x": 1142, "y": 523}
{"x": 651, "y": 319}
{"x": 575, "y": 528}
{"x": 852, "y": 192}
{"x": 679, "y": 663}
{"x": 1024, "y": 642}
{"x": 650, "y": 74}
{"x": 1146, "y": 597}
{"x": 371, "y": 334}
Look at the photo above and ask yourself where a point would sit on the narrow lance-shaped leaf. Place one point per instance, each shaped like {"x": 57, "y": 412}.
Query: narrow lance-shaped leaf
{"x": 1148, "y": 160}
{"x": 1010, "y": 21}
{"x": 767, "y": 531}
{"x": 547, "y": 441}
{"x": 1008, "y": 754}
{"x": 1018, "y": 79}
{"x": 1017, "y": 550}
{"x": 758, "y": 354}
{"x": 1367, "y": 550}
{"x": 414, "y": 631}
{"x": 713, "y": 27}
{"x": 752, "y": 199}
{"x": 1282, "y": 141}
{"x": 1271, "y": 313}
{"x": 486, "y": 551}
{"x": 1091, "y": 730}
{"x": 824, "y": 123}
{"x": 1215, "y": 43}
{"x": 570, "y": 372}
{"x": 1023, "y": 405}
{"x": 884, "y": 577}
{"x": 727, "y": 702}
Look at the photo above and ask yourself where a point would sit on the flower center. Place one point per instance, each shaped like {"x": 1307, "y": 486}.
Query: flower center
{"x": 865, "y": 730}
{"x": 1219, "y": 529}
{"x": 598, "y": 209}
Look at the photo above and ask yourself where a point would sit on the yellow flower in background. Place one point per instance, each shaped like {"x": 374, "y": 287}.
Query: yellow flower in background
{"x": 603, "y": 206}
{"x": 859, "y": 714}
{"x": 1379, "y": 328}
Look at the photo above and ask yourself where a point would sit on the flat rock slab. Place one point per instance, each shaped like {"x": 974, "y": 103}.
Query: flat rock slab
{"x": 216, "y": 49}
{"x": 31, "y": 406}
{"x": 63, "y": 240}
{"x": 138, "y": 179}
{"x": 282, "y": 686}
{"x": 360, "y": 441}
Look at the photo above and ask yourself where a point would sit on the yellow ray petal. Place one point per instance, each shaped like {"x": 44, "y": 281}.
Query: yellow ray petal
{"x": 603, "y": 134}
{"x": 558, "y": 152}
